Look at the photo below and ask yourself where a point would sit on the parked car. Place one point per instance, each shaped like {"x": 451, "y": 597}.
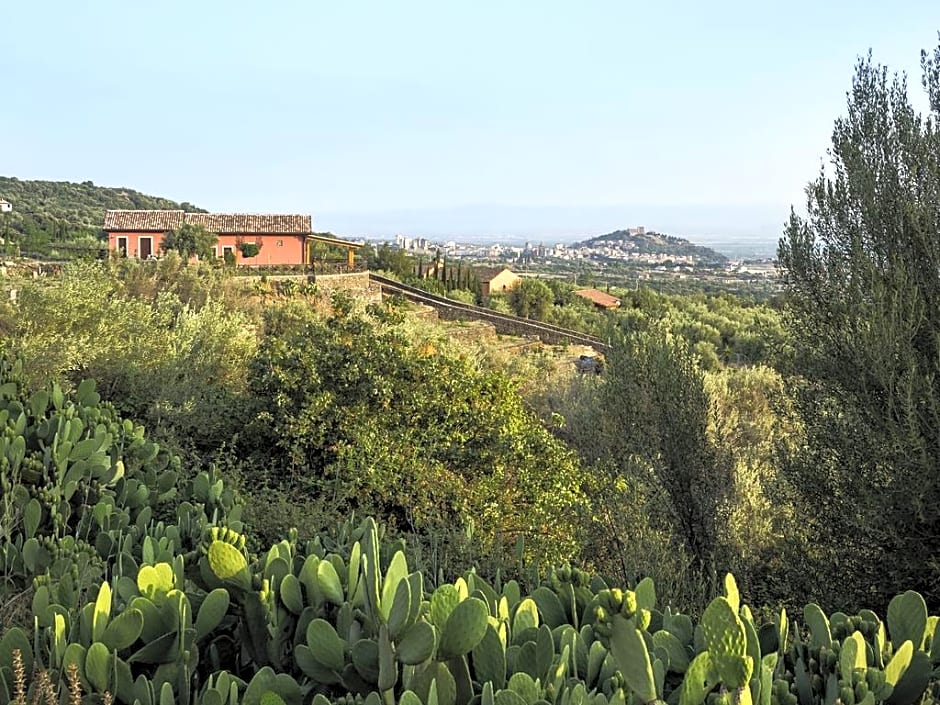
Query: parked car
{"x": 589, "y": 363}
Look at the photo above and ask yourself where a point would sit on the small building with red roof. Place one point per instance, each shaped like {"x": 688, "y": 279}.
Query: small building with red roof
{"x": 598, "y": 298}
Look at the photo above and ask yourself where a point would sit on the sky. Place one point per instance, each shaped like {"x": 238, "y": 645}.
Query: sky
{"x": 442, "y": 117}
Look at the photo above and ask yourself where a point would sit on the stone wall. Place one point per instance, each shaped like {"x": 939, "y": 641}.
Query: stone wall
{"x": 357, "y": 284}
{"x": 502, "y": 323}
{"x": 357, "y": 281}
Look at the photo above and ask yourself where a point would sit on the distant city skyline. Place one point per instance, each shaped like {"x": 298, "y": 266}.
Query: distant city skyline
{"x": 752, "y": 229}
{"x": 362, "y": 112}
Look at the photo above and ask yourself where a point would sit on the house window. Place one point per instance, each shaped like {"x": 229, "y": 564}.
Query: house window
{"x": 228, "y": 248}
{"x": 122, "y": 246}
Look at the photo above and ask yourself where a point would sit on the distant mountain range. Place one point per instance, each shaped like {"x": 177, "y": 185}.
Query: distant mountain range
{"x": 653, "y": 243}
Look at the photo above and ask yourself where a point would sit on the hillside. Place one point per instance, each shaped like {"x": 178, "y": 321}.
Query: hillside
{"x": 51, "y": 215}
{"x": 655, "y": 244}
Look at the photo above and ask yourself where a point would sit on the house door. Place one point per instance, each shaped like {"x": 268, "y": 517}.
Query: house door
{"x": 122, "y": 246}
{"x": 146, "y": 247}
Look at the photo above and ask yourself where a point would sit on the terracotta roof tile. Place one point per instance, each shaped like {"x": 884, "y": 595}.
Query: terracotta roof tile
{"x": 219, "y": 223}
{"x": 142, "y": 220}
{"x": 598, "y": 298}
{"x": 234, "y": 223}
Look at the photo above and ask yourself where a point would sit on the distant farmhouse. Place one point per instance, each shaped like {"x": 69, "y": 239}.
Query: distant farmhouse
{"x": 279, "y": 239}
{"x": 5, "y": 206}
{"x": 598, "y": 298}
{"x": 493, "y": 281}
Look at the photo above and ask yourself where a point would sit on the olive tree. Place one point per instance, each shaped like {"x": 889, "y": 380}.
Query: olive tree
{"x": 862, "y": 277}
{"x": 189, "y": 240}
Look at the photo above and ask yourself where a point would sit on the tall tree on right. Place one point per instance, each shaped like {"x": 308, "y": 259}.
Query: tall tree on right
{"x": 862, "y": 278}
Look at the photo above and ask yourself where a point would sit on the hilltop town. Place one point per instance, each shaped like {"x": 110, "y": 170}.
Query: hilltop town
{"x": 631, "y": 254}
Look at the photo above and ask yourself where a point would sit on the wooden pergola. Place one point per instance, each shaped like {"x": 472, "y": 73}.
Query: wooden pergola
{"x": 350, "y": 247}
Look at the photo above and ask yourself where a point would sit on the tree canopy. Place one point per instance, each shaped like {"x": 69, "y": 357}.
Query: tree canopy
{"x": 189, "y": 240}
{"x": 862, "y": 276}
{"x": 531, "y": 298}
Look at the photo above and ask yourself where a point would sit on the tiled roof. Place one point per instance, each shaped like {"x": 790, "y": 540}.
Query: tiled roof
{"x": 160, "y": 221}
{"x": 599, "y": 298}
{"x": 219, "y": 223}
{"x": 488, "y": 274}
{"x": 232, "y": 223}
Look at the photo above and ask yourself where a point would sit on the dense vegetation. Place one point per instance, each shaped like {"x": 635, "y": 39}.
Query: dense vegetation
{"x": 863, "y": 278}
{"x": 64, "y": 218}
{"x": 179, "y": 529}
{"x": 143, "y": 591}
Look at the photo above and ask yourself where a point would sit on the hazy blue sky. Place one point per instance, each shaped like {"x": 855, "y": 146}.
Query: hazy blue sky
{"x": 347, "y": 108}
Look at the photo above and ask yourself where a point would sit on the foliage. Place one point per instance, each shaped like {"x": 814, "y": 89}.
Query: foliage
{"x": 656, "y": 416}
{"x": 531, "y": 298}
{"x": 190, "y": 240}
{"x": 49, "y": 215}
{"x": 76, "y": 476}
{"x": 462, "y": 295}
{"x": 250, "y": 249}
{"x": 386, "y": 259}
{"x": 695, "y": 457}
{"x": 863, "y": 307}
{"x": 354, "y": 412}
{"x": 723, "y": 330}
{"x": 765, "y": 543}
{"x": 162, "y": 340}
{"x": 185, "y": 613}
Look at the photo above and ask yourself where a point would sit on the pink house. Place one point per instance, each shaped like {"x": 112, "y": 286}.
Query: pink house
{"x": 281, "y": 239}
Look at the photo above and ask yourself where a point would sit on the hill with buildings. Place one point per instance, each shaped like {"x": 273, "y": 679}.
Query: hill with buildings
{"x": 638, "y": 241}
